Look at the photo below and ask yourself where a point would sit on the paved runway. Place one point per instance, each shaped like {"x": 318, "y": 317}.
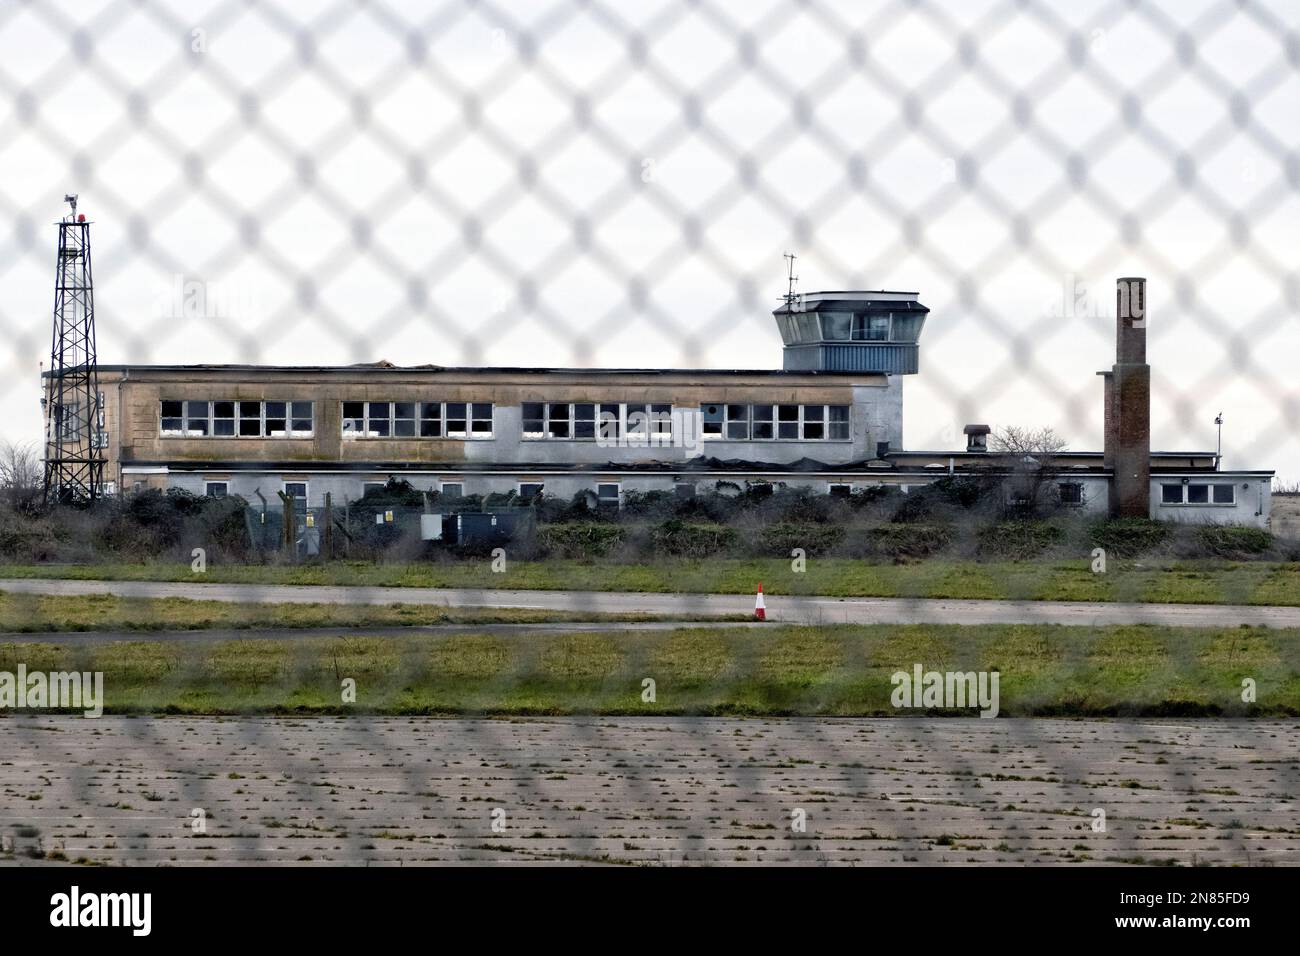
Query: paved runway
{"x": 892, "y": 791}
{"x": 303, "y": 633}
{"x": 794, "y": 610}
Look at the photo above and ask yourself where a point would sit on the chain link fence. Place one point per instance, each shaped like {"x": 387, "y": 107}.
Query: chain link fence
{"x": 584, "y": 183}
{"x": 591, "y": 183}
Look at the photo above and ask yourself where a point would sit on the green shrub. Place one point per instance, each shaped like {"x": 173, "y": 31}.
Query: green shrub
{"x": 909, "y": 539}
{"x": 642, "y": 503}
{"x": 780, "y": 539}
{"x": 1130, "y": 537}
{"x": 678, "y": 538}
{"x": 580, "y": 539}
{"x": 1018, "y": 540}
{"x": 1228, "y": 540}
{"x": 396, "y": 492}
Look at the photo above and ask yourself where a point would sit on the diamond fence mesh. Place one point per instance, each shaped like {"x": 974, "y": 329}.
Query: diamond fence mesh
{"x": 614, "y": 184}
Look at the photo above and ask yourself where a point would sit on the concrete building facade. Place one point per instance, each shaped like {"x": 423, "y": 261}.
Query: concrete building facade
{"x": 831, "y": 420}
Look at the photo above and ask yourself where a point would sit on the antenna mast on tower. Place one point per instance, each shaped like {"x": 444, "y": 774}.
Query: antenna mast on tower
{"x": 74, "y": 416}
{"x": 791, "y": 279}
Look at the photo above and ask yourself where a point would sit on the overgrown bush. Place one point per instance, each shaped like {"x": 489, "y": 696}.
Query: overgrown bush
{"x": 944, "y": 497}
{"x": 676, "y": 537}
{"x": 396, "y": 493}
{"x": 804, "y": 508}
{"x": 1232, "y": 541}
{"x": 1130, "y": 537}
{"x": 649, "y": 504}
{"x": 580, "y": 539}
{"x": 1018, "y": 540}
{"x": 815, "y": 539}
{"x": 899, "y": 539}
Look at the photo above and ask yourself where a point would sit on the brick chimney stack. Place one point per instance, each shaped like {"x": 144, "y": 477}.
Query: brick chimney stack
{"x": 1128, "y": 405}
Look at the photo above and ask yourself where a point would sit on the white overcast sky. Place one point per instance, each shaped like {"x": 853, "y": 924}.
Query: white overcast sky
{"x": 614, "y": 184}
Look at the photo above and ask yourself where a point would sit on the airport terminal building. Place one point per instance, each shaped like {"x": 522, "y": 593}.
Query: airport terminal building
{"x": 830, "y": 419}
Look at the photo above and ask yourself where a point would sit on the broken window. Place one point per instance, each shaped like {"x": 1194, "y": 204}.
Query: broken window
{"x": 712, "y": 417}
{"x": 277, "y": 415}
{"x": 216, "y": 489}
{"x": 196, "y": 418}
{"x": 528, "y": 490}
{"x": 584, "y": 420}
{"x": 607, "y": 495}
{"x": 661, "y": 423}
{"x": 173, "y": 414}
{"x": 839, "y": 422}
{"x": 559, "y": 422}
{"x": 787, "y": 422}
{"x": 481, "y": 420}
{"x": 457, "y": 419}
{"x": 223, "y": 419}
{"x": 611, "y": 422}
{"x": 431, "y": 419}
{"x": 250, "y": 419}
{"x": 738, "y": 422}
{"x": 814, "y": 422}
{"x": 534, "y": 419}
{"x": 638, "y": 423}
{"x": 409, "y": 419}
{"x": 1071, "y": 492}
{"x": 379, "y": 419}
{"x": 403, "y": 419}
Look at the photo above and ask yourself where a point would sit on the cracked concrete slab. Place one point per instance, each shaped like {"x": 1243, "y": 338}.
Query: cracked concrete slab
{"x": 893, "y": 791}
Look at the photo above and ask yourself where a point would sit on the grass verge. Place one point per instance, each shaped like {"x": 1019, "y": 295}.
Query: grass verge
{"x": 1178, "y": 582}
{"x": 836, "y": 671}
{"x": 34, "y": 614}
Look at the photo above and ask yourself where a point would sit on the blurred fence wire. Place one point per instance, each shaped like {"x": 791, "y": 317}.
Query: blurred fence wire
{"x": 588, "y": 182}
{"x": 604, "y": 183}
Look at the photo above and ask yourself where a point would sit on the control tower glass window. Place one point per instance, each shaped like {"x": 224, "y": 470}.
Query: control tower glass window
{"x": 835, "y": 325}
{"x": 870, "y": 328}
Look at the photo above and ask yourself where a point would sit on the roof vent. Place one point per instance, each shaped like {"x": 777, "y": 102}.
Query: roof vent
{"x": 977, "y": 438}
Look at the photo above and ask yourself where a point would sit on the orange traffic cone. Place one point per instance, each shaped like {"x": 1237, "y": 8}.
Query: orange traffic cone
{"x": 760, "y": 609}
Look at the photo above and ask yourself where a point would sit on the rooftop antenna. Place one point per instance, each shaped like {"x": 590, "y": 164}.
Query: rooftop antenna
{"x": 791, "y": 279}
{"x": 74, "y": 416}
{"x": 1218, "y": 453}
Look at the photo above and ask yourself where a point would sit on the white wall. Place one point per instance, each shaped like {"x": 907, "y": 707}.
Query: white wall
{"x": 1252, "y": 492}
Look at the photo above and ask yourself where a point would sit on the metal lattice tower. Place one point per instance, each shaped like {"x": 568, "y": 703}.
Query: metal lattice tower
{"x": 74, "y": 453}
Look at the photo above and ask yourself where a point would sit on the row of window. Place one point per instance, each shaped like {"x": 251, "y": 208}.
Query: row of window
{"x": 776, "y": 422}
{"x": 1198, "y": 493}
{"x": 417, "y": 419}
{"x": 245, "y": 419}
{"x": 541, "y": 420}
{"x": 856, "y": 326}
{"x": 604, "y": 420}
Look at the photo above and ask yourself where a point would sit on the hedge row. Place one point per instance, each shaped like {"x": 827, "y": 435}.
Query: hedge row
{"x": 1016, "y": 540}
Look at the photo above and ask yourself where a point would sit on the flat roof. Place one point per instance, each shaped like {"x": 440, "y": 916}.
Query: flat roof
{"x": 964, "y": 453}
{"x": 382, "y": 367}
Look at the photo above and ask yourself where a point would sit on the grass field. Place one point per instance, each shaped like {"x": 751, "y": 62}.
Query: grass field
{"x": 1184, "y": 582}
{"x": 841, "y": 670}
{"x": 30, "y": 613}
